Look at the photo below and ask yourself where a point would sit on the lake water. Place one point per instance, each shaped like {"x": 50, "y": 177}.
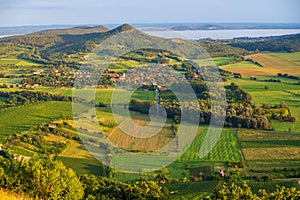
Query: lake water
{"x": 220, "y": 34}
{"x": 165, "y": 33}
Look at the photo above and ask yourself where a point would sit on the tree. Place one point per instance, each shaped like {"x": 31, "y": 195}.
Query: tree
{"x": 46, "y": 180}
{"x": 234, "y": 192}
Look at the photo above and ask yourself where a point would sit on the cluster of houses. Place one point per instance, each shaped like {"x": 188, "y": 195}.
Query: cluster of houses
{"x": 17, "y": 157}
{"x": 157, "y": 75}
{"x": 23, "y": 86}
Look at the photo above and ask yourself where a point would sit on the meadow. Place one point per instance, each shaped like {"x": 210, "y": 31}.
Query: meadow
{"x": 18, "y": 119}
{"x": 265, "y": 151}
{"x": 275, "y": 64}
{"x": 268, "y": 65}
{"x": 227, "y": 148}
{"x": 218, "y": 61}
{"x": 17, "y": 62}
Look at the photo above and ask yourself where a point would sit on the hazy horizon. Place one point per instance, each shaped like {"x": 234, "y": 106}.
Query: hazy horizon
{"x": 65, "y": 12}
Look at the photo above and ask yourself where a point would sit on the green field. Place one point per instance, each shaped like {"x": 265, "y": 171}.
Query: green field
{"x": 10, "y": 80}
{"x": 226, "y": 149}
{"x": 266, "y": 151}
{"x": 17, "y": 62}
{"x": 214, "y": 61}
{"x": 204, "y": 186}
{"x": 18, "y": 119}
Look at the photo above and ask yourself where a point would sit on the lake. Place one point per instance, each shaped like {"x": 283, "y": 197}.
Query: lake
{"x": 219, "y": 34}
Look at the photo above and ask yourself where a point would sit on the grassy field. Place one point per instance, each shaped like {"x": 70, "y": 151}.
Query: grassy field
{"x": 216, "y": 61}
{"x": 226, "y": 149}
{"x": 78, "y": 158}
{"x": 193, "y": 187}
{"x": 291, "y": 56}
{"x": 286, "y": 91}
{"x": 18, "y": 119}
{"x": 245, "y": 68}
{"x": 266, "y": 150}
{"x": 277, "y": 92}
{"x": 105, "y": 95}
{"x": 271, "y": 65}
{"x": 275, "y": 64}
{"x": 10, "y": 80}
{"x": 17, "y": 62}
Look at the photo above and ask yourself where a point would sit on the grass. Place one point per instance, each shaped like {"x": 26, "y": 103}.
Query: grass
{"x": 88, "y": 165}
{"x": 286, "y": 127}
{"x": 105, "y": 95}
{"x": 272, "y": 153}
{"x": 245, "y": 68}
{"x": 17, "y": 62}
{"x": 10, "y": 80}
{"x": 18, "y": 119}
{"x": 271, "y": 65}
{"x": 226, "y": 149}
{"x": 275, "y": 64}
{"x": 291, "y": 57}
{"x": 214, "y": 61}
{"x": 259, "y": 145}
{"x": 125, "y": 141}
{"x": 181, "y": 188}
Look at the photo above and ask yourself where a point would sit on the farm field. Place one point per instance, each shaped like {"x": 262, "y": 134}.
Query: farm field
{"x": 188, "y": 188}
{"x": 266, "y": 150}
{"x": 18, "y": 119}
{"x": 17, "y": 62}
{"x": 77, "y": 157}
{"x": 245, "y": 68}
{"x": 105, "y": 95}
{"x": 285, "y": 126}
{"x": 271, "y": 65}
{"x": 10, "y": 80}
{"x": 274, "y": 64}
{"x": 215, "y": 61}
{"x": 291, "y": 56}
{"x": 226, "y": 149}
{"x": 276, "y": 93}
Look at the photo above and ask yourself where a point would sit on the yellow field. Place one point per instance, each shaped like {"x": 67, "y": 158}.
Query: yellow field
{"x": 272, "y": 65}
{"x": 245, "y": 68}
{"x": 125, "y": 141}
{"x": 272, "y": 153}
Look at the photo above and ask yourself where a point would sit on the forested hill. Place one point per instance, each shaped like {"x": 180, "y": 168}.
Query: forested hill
{"x": 55, "y": 45}
{"x": 79, "y": 30}
{"x": 289, "y": 43}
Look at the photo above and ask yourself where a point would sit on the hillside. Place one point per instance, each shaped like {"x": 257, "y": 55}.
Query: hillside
{"x": 54, "y": 45}
{"x": 79, "y": 30}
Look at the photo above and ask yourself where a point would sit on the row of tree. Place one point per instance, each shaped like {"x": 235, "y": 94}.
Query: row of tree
{"x": 52, "y": 180}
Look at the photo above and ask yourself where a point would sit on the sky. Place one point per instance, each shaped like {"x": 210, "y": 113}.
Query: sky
{"x": 48, "y": 12}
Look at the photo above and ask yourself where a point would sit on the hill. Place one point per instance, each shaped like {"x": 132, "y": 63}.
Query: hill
{"x": 79, "y": 30}
{"x": 55, "y": 45}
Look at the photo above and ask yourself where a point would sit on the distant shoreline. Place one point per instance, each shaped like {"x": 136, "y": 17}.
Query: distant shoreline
{"x": 181, "y": 30}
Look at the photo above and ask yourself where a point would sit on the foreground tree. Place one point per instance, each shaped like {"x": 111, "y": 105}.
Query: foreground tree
{"x": 235, "y": 192}
{"x": 45, "y": 180}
